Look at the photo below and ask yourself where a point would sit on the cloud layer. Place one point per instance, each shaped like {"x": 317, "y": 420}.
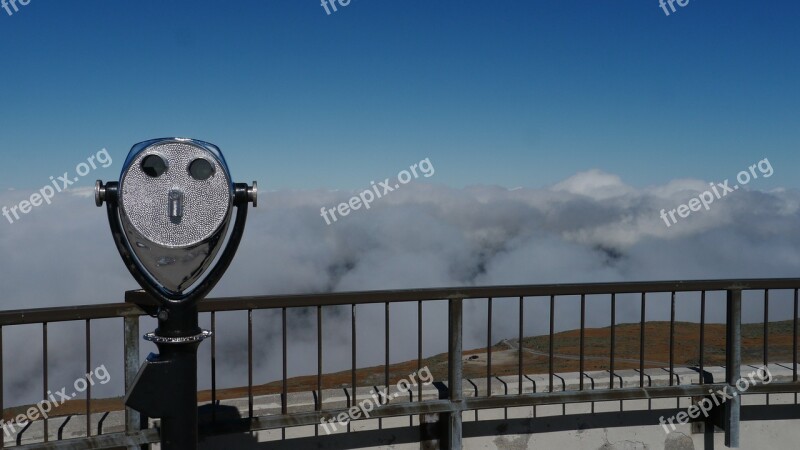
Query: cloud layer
{"x": 591, "y": 227}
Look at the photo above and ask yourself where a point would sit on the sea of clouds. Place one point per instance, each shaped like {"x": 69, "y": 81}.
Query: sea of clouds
{"x": 591, "y": 227}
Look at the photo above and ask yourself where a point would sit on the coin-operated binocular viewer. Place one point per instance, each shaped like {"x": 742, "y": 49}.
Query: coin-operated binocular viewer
{"x": 170, "y": 214}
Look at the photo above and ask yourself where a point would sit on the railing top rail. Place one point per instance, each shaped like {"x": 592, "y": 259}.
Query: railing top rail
{"x": 69, "y": 313}
{"x": 134, "y": 298}
{"x": 536, "y": 290}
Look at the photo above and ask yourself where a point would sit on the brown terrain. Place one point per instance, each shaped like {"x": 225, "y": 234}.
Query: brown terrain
{"x": 505, "y": 359}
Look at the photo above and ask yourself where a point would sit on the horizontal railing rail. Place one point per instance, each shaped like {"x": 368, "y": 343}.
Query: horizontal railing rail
{"x": 466, "y": 293}
{"x": 134, "y": 298}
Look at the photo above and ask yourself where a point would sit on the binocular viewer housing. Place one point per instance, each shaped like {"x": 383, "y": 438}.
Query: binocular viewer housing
{"x": 170, "y": 213}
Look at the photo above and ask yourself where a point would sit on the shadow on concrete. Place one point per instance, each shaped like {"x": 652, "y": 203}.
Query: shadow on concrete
{"x": 224, "y": 415}
{"x": 232, "y": 425}
{"x": 229, "y": 421}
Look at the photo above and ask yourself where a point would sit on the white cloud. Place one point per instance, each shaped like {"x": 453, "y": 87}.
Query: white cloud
{"x": 594, "y": 184}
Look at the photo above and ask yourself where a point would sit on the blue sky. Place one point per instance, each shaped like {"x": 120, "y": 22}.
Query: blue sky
{"x": 514, "y": 93}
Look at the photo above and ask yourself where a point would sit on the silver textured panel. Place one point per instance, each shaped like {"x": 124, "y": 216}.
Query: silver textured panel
{"x": 146, "y": 200}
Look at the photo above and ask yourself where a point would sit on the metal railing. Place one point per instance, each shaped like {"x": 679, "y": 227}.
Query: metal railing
{"x": 447, "y": 410}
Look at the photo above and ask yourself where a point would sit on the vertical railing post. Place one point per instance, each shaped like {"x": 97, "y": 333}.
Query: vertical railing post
{"x": 733, "y": 362}
{"x": 455, "y": 374}
{"x": 131, "y": 337}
